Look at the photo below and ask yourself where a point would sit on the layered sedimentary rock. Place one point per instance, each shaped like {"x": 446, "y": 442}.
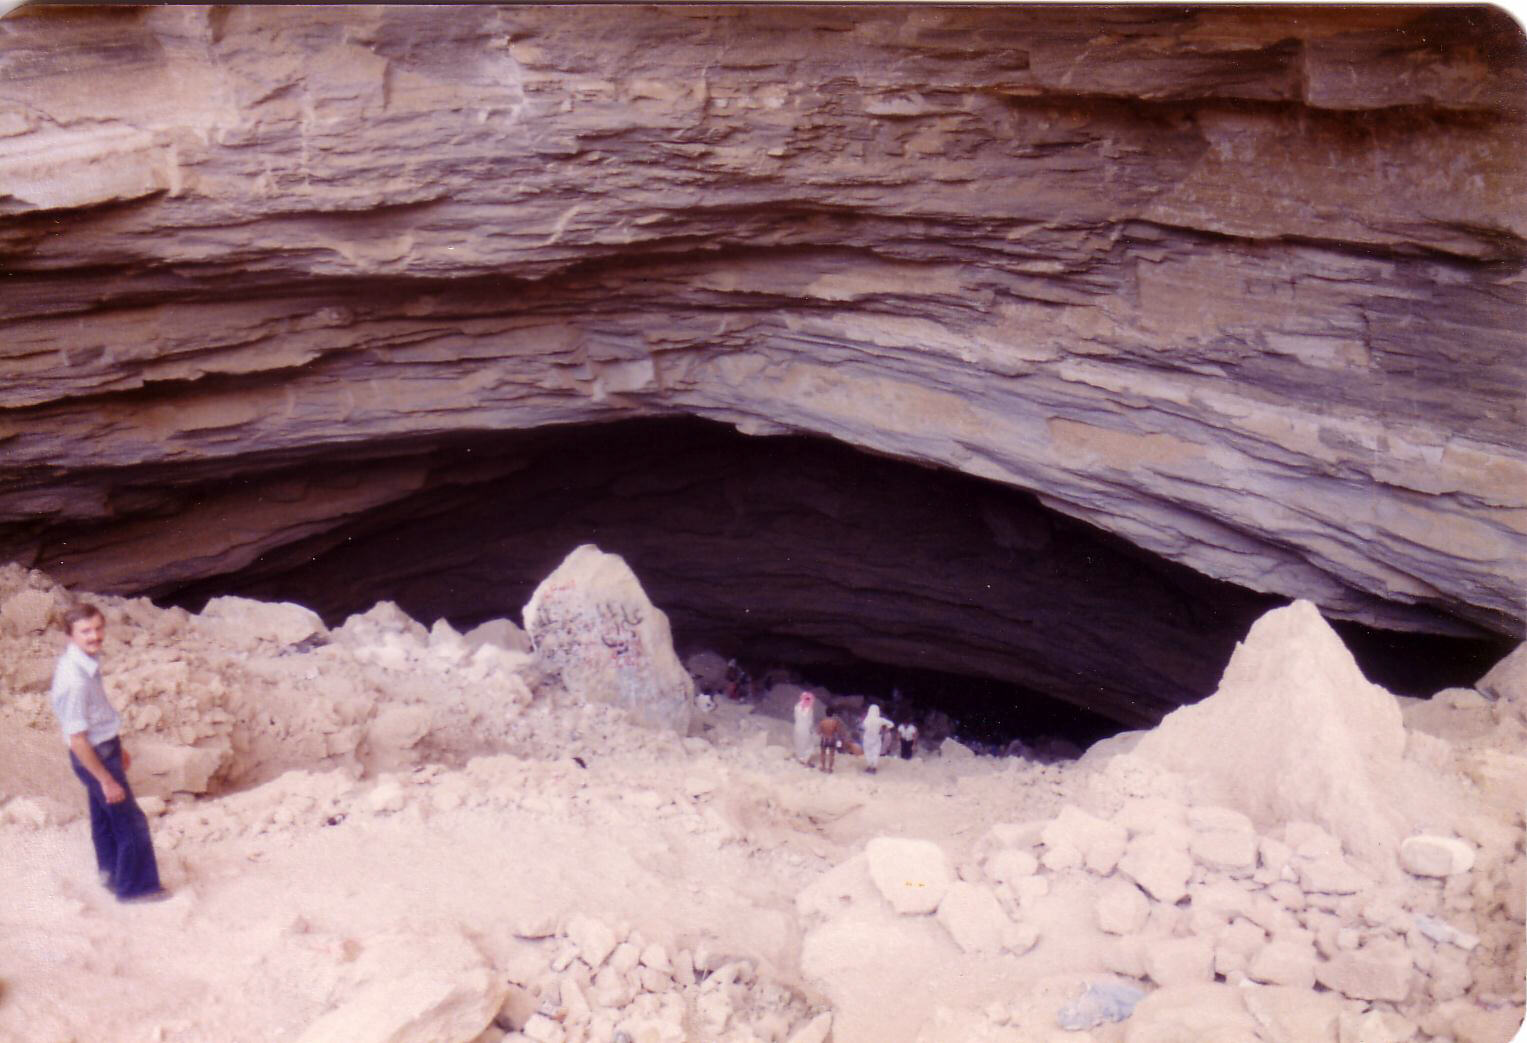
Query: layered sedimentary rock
{"x": 1240, "y": 287}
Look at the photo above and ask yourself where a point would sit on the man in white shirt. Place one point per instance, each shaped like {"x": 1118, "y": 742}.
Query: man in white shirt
{"x": 908, "y": 735}
{"x": 124, "y": 852}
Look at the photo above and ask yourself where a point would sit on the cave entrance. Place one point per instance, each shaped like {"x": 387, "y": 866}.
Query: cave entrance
{"x": 858, "y": 571}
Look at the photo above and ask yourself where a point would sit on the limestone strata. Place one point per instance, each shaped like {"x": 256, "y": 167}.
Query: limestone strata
{"x": 1238, "y": 286}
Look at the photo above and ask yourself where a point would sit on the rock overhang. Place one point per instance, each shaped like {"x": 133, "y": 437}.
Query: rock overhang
{"x": 1197, "y": 290}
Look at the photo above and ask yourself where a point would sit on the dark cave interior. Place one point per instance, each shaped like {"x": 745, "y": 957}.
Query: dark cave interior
{"x": 856, "y": 571}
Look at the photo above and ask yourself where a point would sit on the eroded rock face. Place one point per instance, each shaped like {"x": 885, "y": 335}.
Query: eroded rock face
{"x": 1240, "y": 289}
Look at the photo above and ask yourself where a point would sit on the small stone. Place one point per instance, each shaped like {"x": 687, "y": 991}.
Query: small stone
{"x": 1010, "y": 864}
{"x": 1121, "y": 907}
{"x": 714, "y": 1010}
{"x": 387, "y": 797}
{"x": 1311, "y": 841}
{"x": 593, "y": 939}
{"x": 1287, "y": 895}
{"x": 543, "y": 1029}
{"x": 684, "y": 967}
{"x": 1379, "y": 971}
{"x": 1029, "y": 889}
{"x": 1374, "y": 1026}
{"x": 518, "y": 1007}
{"x": 656, "y": 957}
{"x": 1061, "y": 856}
{"x": 1444, "y": 933}
{"x": 973, "y": 917}
{"x": 1099, "y": 842}
{"x": 1159, "y": 866}
{"x": 1449, "y": 976}
{"x": 1331, "y": 875}
{"x": 1180, "y": 961}
{"x": 1019, "y": 938}
{"x": 1435, "y": 856}
{"x": 611, "y": 989}
{"x": 625, "y": 957}
{"x": 815, "y": 1030}
{"x": 538, "y": 924}
{"x": 1210, "y": 819}
{"x": 1226, "y": 851}
{"x": 1294, "y": 1015}
{"x": 1284, "y": 963}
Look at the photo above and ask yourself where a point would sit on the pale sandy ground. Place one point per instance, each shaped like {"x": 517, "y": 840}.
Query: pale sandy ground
{"x": 384, "y": 863}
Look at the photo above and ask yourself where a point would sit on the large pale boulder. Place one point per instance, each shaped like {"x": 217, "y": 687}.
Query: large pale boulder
{"x": 278, "y": 622}
{"x": 591, "y": 623}
{"x": 1294, "y": 732}
{"x": 421, "y": 1008}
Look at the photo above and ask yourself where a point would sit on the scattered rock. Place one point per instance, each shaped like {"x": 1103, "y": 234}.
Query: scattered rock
{"x": 1099, "y": 843}
{"x": 1121, "y": 907}
{"x": 1180, "y": 961}
{"x": 913, "y": 875}
{"x": 1378, "y": 971}
{"x": 1295, "y": 1015}
{"x": 594, "y": 940}
{"x": 1427, "y": 855}
{"x": 973, "y": 917}
{"x": 1284, "y": 963}
{"x": 1159, "y": 866}
{"x": 1227, "y": 851}
{"x": 416, "y": 1009}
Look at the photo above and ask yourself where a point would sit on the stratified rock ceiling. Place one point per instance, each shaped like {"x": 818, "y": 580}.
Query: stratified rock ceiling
{"x": 1243, "y": 287}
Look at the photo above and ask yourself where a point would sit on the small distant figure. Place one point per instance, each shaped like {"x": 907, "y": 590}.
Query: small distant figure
{"x": 874, "y": 727}
{"x": 738, "y": 684}
{"x": 805, "y": 724}
{"x": 831, "y": 733}
{"x": 907, "y": 733}
{"x": 888, "y": 741}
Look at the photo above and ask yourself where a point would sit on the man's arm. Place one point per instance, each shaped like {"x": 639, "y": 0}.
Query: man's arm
{"x": 86, "y": 755}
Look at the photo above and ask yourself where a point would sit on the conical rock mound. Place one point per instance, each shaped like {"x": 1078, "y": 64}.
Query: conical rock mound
{"x": 592, "y": 624}
{"x": 1294, "y": 732}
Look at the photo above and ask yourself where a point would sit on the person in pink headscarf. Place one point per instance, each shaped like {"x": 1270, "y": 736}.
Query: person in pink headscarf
{"x": 805, "y": 726}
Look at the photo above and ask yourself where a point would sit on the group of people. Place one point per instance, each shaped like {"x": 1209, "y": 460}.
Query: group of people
{"x": 879, "y": 734}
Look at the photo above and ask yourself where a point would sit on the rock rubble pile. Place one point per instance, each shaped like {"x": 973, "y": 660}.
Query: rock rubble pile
{"x": 397, "y": 832}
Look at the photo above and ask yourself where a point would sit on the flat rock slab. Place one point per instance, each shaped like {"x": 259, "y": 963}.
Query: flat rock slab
{"x": 913, "y": 875}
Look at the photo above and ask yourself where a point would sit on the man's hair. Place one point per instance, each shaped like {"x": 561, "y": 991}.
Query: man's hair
{"x": 78, "y": 613}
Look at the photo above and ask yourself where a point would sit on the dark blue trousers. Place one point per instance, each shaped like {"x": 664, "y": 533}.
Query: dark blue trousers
{"x": 124, "y": 852}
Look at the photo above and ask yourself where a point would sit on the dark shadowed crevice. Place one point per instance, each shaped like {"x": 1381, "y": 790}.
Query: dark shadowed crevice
{"x": 862, "y": 572}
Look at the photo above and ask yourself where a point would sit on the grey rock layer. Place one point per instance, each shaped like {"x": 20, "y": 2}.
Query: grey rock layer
{"x": 1240, "y": 288}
